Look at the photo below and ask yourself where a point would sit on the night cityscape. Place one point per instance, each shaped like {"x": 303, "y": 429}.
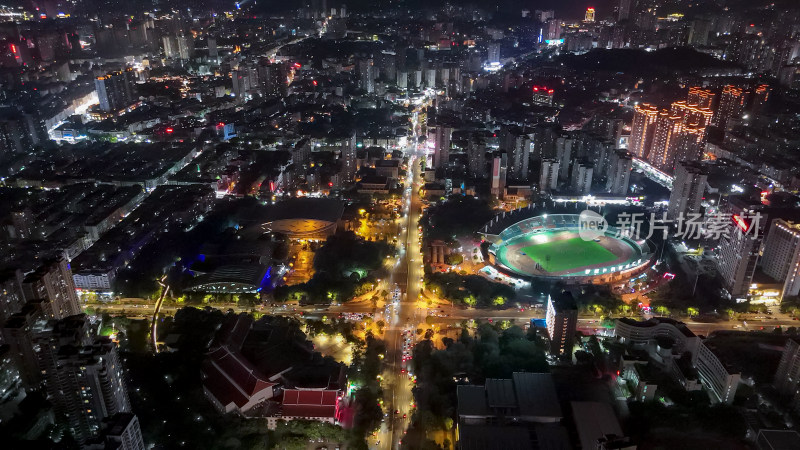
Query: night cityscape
{"x": 400, "y": 224}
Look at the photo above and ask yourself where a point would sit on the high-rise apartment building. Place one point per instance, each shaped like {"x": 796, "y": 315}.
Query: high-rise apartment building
{"x": 689, "y": 146}
{"x": 561, "y": 320}
{"x": 542, "y": 95}
{"x": 688, "y": 188}
{"x": 366, "y": 75}
{"x": 564, "y": 146}
{"x": 178, "y": 46}
{"x": 731, "y": 106}
{"x": 544, "y": 15}
{"x": 349, "y": 156}
{"x": 20, "y": 132}
{"x": 244, "y": 80}
{"x": 213, "y": 51}
{"x": 781, "y": 256}
{"x": 679, "y": 132}
{"x": 499, "y": 169}
{"x": 589, "y": 16}
{"x": 739, "y": 251}
{"x": 581, "y": 178}
{"x": 698, "y": 32}
{"x": 115, "y": 90}
{"x": 493, "y": 53}
{"x": 619, "y": 172}
{"x": 518, "y": 146}
{"x": 123, "y": 432}
{"x": 552, "y": 29}
{"x": 760, "y": 99}
{"x": 703, "y": 98}
{"x": 441, "y": 155}
{"x": 692, "y": 113}
{"x": 19, "y": 332}
{"x": 548, "y": 177}
{"x": 273, "y": 78}
{"x": 787, "y": 377}
{"x": 666, "y": 135}
{"x": 476, "y": 159}
{"x": 402, "y": 79}
{"x": 52, "y": 282}
{"x": 11, "y": 296}
{"x": 644, "y": 123}
{"x": 83, "y": 376}
{"x": 623, "y": 9}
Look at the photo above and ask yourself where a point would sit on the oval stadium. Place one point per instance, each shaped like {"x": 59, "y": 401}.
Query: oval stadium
{"x": 548, "y": 246}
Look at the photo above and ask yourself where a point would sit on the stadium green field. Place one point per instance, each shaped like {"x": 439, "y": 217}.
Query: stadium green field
{"x": 568, "y": 254}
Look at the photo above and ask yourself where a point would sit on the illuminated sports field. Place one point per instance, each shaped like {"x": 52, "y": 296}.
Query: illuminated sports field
{"x": 550, "y": 246}
{"x": 560, "y": 255}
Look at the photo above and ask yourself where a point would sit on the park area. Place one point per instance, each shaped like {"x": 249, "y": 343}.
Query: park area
{"x": 566, "y": 254}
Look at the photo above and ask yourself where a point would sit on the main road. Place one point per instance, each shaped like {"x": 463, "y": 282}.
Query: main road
{"x": 403, "y": 314}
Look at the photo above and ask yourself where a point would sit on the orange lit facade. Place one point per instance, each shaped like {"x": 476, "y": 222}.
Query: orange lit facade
{"x": 644, "y": 120}
{"x": 700, "y": 97}
{"x": 663, "y": 137}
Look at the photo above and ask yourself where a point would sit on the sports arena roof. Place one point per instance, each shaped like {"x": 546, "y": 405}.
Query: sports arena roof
{"x": 322, "y": 209}
{"x": 234, "y": 278}
{"x": 304, "y": 217}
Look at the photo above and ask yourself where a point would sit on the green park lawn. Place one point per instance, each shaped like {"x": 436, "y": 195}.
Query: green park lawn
{"x": 568, "y": 254}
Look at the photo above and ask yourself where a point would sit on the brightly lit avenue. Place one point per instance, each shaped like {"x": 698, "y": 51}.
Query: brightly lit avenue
{"x": 529, "y": 243}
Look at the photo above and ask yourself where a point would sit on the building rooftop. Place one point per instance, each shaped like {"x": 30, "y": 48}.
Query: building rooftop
{"x": 536, "y": 394}
{"x": 594, "y": 420}
{"x": 472, "y": 401}
{"x": 500, "y": 393}
{"x": 778, "y": 440}
{"x": 494, "y": 437}
{"x": 309, "y": 403}
{"x": 525, "y": 395}
{"x": 655, "y": 321}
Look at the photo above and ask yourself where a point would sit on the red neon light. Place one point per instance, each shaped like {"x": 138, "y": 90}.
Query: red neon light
{"x": 221, "y": 124}
{"x": 272, "y": 186}
{"x": 169, "y": 130}
{"x": 13, "y": 48}
{"x": 314, "y": 82}
{"x": 744, "y": 226}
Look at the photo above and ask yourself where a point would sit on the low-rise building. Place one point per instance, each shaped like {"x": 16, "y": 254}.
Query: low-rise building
{"x": 598, "y": 426}
{"x": 717, "y": 377}
{"x": 230, "y": 381}
{"x": 321, "y": 405}
{"x": 526, "y": 397}
{"x": 639, "y": 333}
{"x": 672, "y": 339}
